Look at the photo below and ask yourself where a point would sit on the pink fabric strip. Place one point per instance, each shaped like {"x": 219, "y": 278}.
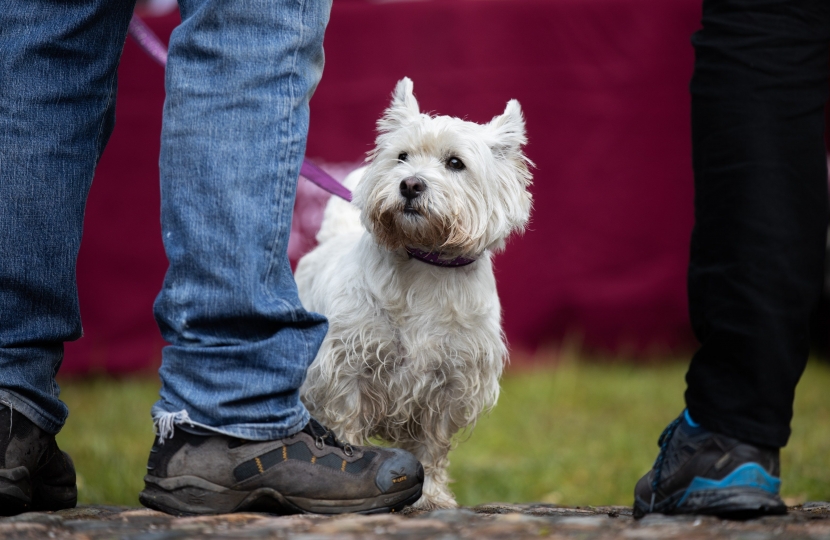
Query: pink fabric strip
{"x": 147, "y": 40}
{"x": 322, "y": 179}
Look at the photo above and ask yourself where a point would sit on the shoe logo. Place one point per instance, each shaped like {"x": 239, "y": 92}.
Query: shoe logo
{"x": 196, "y": 498}
{"x": 398, "y": 476}
{"x": 721, "y": 463}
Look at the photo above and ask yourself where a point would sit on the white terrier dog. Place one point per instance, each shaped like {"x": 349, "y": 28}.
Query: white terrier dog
{"x": 415, "y": 349}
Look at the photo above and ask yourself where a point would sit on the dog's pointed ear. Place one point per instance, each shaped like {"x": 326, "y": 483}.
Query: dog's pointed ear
{"x": 403, "y": 97}
{"x": 508, "y": 130}
{"x": 404, "y": 107}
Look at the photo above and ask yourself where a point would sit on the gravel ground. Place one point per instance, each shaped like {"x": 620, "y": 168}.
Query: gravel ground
{"x": 496, "y": 520}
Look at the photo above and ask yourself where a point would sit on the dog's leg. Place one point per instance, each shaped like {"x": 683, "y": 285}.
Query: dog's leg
{"x": 436, "y": 492}
{"x": 332, "y": 395}
{"x": 343, "y": 417}
{"x": 429, "y": 435}
{"x": 432, "y": 450}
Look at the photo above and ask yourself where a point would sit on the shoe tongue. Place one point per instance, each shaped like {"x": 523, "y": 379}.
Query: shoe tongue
{"x": 316, "y": 429}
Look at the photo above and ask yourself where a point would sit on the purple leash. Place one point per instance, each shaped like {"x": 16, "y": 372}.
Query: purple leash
{"x": 147, "y": 40}
{"x": 153, "y": 46}
{"x": 322, "y": 179}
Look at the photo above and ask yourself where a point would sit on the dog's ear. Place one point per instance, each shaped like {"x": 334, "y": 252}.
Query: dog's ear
{"x": 403, "y": 98}
{"x": 508, "y": 130}
{"x": 404, "y": 107}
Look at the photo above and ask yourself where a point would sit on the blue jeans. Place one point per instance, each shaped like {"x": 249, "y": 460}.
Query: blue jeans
{"x": 239, "y": 80}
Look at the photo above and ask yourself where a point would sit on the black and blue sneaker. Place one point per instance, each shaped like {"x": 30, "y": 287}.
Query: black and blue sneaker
{"x": 701, "y": 472}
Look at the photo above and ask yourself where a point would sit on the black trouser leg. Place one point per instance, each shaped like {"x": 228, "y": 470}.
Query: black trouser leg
{"x": 761, "y": 210}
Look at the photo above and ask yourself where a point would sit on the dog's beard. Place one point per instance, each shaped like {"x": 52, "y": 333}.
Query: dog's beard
{"x": 396, "y": 224}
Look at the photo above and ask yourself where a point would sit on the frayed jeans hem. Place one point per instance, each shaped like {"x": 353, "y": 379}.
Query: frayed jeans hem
{"x": 165, "y": 422}
{"x": 26, "y": 408}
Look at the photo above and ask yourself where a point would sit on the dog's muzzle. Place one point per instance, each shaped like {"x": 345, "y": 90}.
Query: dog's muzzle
{"x": 411, "y": 188}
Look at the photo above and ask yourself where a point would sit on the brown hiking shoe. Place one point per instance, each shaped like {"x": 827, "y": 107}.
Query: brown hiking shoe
{"x": 311, "y": 471}
{"x": 34, "y": 473}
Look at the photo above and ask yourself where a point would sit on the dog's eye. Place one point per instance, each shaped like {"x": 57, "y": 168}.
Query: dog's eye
{"x": 402, "y": 156}
{"x": 455, "y": 164}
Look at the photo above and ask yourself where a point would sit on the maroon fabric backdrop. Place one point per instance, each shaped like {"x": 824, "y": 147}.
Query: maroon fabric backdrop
{"x": 604, "y": 87}
{"x": 121, "y": 264}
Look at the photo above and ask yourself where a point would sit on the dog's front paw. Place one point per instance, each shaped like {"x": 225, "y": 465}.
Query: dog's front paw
{"x": 434, "y": 498}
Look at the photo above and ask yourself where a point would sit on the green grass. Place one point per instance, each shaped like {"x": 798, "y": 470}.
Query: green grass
{"x": 109, "y": 434}
{"x": 578, "y": 434}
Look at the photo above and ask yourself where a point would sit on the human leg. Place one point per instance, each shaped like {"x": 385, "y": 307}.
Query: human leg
{"x": 756, "y": 269}
{"x": 232, "y": 432}
{"x": 239, "y": 79}
{"x": 57, "y": 110}
{"x": 761, "y": 210}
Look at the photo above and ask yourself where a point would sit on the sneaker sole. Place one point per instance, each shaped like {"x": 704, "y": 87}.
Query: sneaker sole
{"x": 747, "y": 492}
{"x": 20, "y": 493}
{"x": 191, "y": 496}
{"x": 736, "y": 503}
{"x": 733, "y": 503}
{"x": 52, "y": 498}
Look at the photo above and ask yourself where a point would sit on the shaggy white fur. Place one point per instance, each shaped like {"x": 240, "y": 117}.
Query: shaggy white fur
{"x": 414, "y": 352}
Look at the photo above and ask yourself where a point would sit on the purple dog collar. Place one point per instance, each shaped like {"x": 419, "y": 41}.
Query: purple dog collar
{"x": 435, "y": 259}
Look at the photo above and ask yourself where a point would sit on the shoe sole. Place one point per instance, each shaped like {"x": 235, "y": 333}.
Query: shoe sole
{"x": 735, "y": 503}
{"x": 192, "y": 496}
{"x": 15, "y": 491}
{"x": 20, "y": 493}
{"x": 46, "y": 498}
{"x": 748, "y": 491}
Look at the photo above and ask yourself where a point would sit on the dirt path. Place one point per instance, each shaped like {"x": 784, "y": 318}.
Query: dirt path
{"x": 808, "y": 521}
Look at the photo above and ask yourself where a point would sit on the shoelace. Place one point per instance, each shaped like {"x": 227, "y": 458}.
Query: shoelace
{"x": 324, "y": 436}
{"x": 663, "y": 442}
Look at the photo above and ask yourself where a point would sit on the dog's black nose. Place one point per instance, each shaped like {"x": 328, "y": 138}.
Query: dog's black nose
{"x": 412, "y": 187}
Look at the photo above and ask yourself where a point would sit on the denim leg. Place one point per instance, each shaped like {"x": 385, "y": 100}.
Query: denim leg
{"x": 239, "y": 79}
{"x": 58, "y": 65}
